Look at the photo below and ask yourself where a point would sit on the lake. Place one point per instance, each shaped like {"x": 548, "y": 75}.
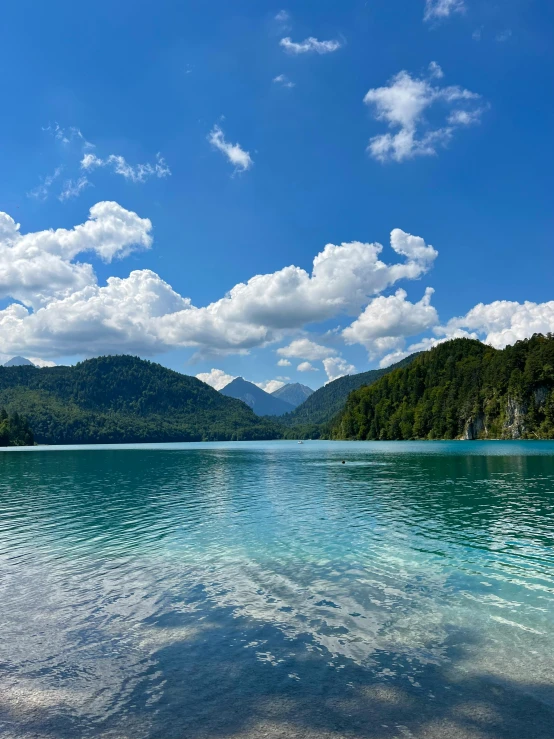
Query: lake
{"x": 269, "y": 590}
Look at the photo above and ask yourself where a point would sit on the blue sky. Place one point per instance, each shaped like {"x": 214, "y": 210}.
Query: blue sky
{"x": 432, "y": 119}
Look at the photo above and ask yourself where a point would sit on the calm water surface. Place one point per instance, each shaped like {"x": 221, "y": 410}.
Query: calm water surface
{"x": 268, "y": 590}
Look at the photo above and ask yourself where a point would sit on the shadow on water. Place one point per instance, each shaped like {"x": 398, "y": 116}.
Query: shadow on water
{"x": 203, "y": 687}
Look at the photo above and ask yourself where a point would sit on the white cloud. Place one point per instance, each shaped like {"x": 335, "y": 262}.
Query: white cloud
{"x": 402, "y": 104}
{"x": 309, "y": 45}
{"x": 306, "y": 367}
{"x": 503, "y": 322}
{"x": 336, "y": 367}
{"x": 305, "y": 349}
{"x": 386, "y": 321}
{"x": 67, "y": 135}
{"x": 42, "y": 191}
{"x": 235, "y": 154}
{"x": 464, "y": 117}
{"x": 435, "y": 70}
{"x": 477, "y": 34}
{"x": 217, "y": 378}
{"x": 439, "y": 9}
{"x": 282, "y": 16}
{"x": 270, "y": 386}
{"x": 65, "y": 312}
{"x": 142, "y": 314}
{"x": 38, "y": 362}
{"x": 342, "y": 280}
{"x": 119, "y": 317}
{"x": 499, "y": 324}
{"x": 257, "y": 312}
{"x": 284, "y": 363}
{"x": 421, "y": 346}
{"x": 137, "y": 173}
{"x": 38, "y": 267}
{"x": 283, "y": 80}
{"x": 72, "y": 189}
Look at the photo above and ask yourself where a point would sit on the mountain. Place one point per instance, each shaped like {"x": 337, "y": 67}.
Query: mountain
{"x": 19, "y": 362}
{"x": 293, "y": 393}
{"x": 262, "y": 403}
{"x": 124, "y": 399}
{"x": 461, "y": 389}
{"x": 325, "y": 403}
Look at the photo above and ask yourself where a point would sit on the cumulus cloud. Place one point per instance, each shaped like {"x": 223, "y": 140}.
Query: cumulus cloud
{"x": 38, "y": 362}
{"x": 283, "y": 80}
{"x": 336, "y": 367}
{"x": 256, "y": 312}
{"x": 121, "y": 316}
{"x": 234, "y": 152}
{"x": 63, "y": 311}
{"x": 421, "y": 346}
{"x": 440, "y": 9}
{"x": 386, "y": 321}
{"x": 118, "y": 164}
{"x": 503, "y": 322}
{"x": 284, "y": 363}
{"x": 306, "y": 367}
{"x": 309, "y": 45}
{"x": 38, "y": 267}
{"x": 498, "y": 324}
{"x": 217, "y": 378}
{"x": 342, "y": 279}
{"x": 282, "y": 16}
{"x": 305, "y": 349}
{"x": 142, "y": 313}
{"x": 402, "y": 105}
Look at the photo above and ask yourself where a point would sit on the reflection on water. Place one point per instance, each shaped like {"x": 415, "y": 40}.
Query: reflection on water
{"x": 267, "y": 589}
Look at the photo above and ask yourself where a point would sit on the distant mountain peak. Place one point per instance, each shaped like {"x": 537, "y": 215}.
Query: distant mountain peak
{"x": 262, "y": 403}
{"x": 294, "y": 393}
{"x": 19, "y": 362}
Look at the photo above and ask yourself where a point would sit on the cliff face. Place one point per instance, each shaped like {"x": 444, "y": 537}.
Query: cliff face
{"x": 514, "y": 423}
{"x": 475, "y": 428}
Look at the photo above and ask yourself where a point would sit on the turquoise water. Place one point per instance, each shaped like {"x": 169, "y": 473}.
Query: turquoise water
{"x": 267, "y": 589}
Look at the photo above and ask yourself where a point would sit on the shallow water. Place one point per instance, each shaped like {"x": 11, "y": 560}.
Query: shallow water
{"x": 267, "y": 589}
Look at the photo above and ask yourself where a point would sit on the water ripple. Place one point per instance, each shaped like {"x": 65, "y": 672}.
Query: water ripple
{"x": 197, "y": 590}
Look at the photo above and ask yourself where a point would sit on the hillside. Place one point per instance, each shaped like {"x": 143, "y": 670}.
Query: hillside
{"x": 124, "y": 399}
{"x": 294, "y": 393}
{"x": 262, "y": 403}
{"x": 460, "y": 389}
{"x": 14, "y": 430}
{"x": 324, "y": 404}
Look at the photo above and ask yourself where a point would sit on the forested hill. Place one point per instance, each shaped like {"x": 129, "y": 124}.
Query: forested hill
{"x": 124, "y": 399}
{"x": 14, "y": 430}
{"x": 460, "y": 389}
{"x": 324, "y": 404}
